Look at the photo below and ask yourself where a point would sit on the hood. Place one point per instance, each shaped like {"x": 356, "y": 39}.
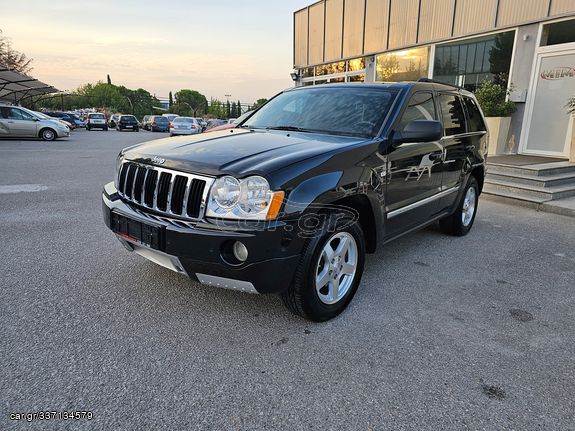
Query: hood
{"x": 237, "y": 151}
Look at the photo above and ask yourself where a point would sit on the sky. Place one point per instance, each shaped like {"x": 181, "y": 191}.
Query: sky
{"x": 242, "y": 48}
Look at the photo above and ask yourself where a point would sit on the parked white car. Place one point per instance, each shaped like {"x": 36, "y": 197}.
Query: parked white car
{"x": 184, "y": 126}
{"x": 19, "y": 122}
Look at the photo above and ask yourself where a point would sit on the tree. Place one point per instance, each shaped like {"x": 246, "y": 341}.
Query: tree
{"x": 234, "y": 111}
{"x": 259, "y": 103}
{"x": 493, "y": 100}
{"x": 13, "y": 59}
{"x": 109, "y": 80}
{"x": 228, "y": 109}
{"x": 239, "y": 109}
{"x": 193, "y": 100}
{"x": 170, "y": 100}
{"x": 216, "y": 109}
{"x": 107, "y": 97}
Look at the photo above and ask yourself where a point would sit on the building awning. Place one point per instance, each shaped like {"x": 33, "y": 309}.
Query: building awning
{"x": 15, "y": 86}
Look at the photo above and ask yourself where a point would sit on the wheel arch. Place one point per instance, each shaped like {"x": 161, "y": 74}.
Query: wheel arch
{"x": 367, "y": 218}
{"x": 478, "y": 172}
{"x": 41, "y": 131}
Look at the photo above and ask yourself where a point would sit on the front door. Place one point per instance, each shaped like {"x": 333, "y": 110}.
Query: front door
{"x": 414, "y": 172}
{"x": 17, "y": 122}
{"x": 548, "y": 126}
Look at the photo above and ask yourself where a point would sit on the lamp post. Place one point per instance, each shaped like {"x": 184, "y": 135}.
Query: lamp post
{"x": 131, "y": 104}
{"x": 190, "y": 106}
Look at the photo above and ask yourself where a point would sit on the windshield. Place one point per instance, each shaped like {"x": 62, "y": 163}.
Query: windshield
{"x": 339, "y": 111}
{"x": 183, "y": 120}
{"x": 97, "y": 116}
{"x": 38, "y": 114}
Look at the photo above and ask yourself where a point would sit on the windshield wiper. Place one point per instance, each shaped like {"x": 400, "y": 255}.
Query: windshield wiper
{"x": 289, "y": 129}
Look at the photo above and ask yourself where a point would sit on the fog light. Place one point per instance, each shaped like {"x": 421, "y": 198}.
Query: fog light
{"x": 240, "y": 251}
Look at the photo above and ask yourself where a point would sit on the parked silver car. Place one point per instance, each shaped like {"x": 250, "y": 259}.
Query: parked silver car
{"x": 19, "y": 122}
{"x": 184, "y": 126}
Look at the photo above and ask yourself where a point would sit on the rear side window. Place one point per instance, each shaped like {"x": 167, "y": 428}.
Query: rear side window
{"x": 420, "y": 107}
{"x": 452, "y": 114}
{"x": 476, "y": 123}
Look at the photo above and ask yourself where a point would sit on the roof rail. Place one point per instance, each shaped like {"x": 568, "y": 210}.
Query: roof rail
{"x": 432, "y": 81}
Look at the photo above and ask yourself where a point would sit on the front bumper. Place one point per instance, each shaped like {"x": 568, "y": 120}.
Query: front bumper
{"x": 199, "y": 251}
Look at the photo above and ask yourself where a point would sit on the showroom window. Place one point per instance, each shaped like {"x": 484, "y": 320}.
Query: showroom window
{"x": 407, "y": 65}
{"x": 343, "y": 71}
{"x": 469, "y": 62}
{"x": 558, "y": 33}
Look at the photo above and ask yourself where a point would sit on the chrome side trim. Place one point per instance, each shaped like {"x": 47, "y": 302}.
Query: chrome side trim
{"x": 227, "y": 283}
{"x": 422, "y": 202}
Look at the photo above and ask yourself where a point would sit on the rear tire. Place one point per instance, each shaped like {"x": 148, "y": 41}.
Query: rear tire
{"x": 461, "y": 221}
{"x": 48, "y": 134}
{"x": 105, "y": 129}
{"x": 329, "y": 271}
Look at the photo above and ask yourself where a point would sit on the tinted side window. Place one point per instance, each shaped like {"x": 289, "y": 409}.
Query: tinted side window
{"x": 476, "y": 123}
{"x": 4, "y": 113}
{"x": 453, "y": 114}
{"x": 420, "y": 107}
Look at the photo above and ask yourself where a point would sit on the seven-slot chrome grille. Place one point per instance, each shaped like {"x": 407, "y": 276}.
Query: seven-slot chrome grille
{"x": 171, "y": 193}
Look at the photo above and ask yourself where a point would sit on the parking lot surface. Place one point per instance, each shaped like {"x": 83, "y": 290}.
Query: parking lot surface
{"x": 444, "y": 333}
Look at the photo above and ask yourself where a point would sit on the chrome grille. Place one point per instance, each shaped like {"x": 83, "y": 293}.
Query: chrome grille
{"x": 165, "y": 191}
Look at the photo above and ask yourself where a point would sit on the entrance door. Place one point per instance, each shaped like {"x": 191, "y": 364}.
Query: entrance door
{"x": 548, "y": 122}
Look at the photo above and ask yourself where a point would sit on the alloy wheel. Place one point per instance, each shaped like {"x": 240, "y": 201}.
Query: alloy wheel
{"x": 336, "y": 268}
{"x": 469, "y": 204}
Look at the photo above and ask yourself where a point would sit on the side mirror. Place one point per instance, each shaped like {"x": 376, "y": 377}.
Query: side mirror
{"x": 419, "y": 131}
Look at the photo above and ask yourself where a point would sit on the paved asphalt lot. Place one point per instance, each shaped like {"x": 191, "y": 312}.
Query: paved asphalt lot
{"x": 444, "y": 333}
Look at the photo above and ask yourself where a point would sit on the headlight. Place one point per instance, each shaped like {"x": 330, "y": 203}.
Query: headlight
{"x": 255, "y": 195}
{"x": 226, "y": 192}
{"x": 247, "y": 199}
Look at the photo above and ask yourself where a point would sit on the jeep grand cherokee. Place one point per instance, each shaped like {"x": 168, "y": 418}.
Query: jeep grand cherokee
{"x": 292, "y": 200}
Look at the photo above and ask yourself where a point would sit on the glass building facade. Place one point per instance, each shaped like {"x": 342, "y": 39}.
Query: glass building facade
{"x": 469, "y": 62}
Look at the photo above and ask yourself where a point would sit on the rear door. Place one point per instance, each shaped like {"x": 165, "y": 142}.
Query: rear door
{"x": 4, "y": 122}
{"x": 414, "y": 171}
{"x": 477, "y": 130}
{"x": 455, "y": 141}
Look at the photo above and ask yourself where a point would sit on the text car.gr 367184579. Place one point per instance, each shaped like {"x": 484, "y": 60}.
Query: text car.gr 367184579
{"x": 290, "y": 201}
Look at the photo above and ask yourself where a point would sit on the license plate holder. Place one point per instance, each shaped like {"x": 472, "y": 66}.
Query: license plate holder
{"x": 146, "y": 234}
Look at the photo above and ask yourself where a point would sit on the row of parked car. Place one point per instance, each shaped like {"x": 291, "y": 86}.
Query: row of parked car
{"x": 54, "y": 124}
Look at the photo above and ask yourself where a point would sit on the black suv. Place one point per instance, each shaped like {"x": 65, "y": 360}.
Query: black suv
{"x": 291, "y": 200}
{"x": 127, "y": 122}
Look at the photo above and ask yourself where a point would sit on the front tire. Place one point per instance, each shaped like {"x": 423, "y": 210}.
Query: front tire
{"x": 329, "y": 271}
{"x": 461, "y": 221}
{"x": 48, "y": 134}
